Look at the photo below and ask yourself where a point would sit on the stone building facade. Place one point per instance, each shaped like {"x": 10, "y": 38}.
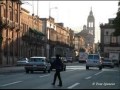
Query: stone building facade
{"x": 108, "y": 42}
{"x": 24, "y": 35}
{"x": 59, "y": 39}
{"x": 79, "y": 42}
{"x": 32, "y": 36}
{"x": 9, "y": 31}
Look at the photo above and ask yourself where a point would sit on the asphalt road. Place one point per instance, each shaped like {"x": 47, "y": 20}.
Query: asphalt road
{"x": 75, "y": 77}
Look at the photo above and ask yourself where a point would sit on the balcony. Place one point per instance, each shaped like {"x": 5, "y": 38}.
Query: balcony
{"x": 111, "y": 45}
{"x": 33, "y": 40}
{"x": 6, "y": 23}
{"x": 114, "y": 45}
{"x": 3, "y": 22}
{"x": 11, "y": 24}
{"x": 17, "y": 26}
{"x": 2, "y": 2}
{"x": 36, "y": 32}
{"x": 26, "y": 38}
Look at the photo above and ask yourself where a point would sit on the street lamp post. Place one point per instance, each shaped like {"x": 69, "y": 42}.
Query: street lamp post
{"x": 51, "y": 9}
{"x": 32, "y": 6}
{"x": 48, "y": 45}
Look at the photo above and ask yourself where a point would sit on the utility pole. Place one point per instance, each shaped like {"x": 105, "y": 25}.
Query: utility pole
{"x": 48, "y": 45}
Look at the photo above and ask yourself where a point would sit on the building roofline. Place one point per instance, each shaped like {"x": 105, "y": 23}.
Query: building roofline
{"x": 25, "y": 10}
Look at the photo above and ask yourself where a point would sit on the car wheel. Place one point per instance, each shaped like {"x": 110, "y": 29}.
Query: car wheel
{"x": 117, "y": 65}
{"x": 112, "y": 66}
{"x": 103, "y": 66}
{"x": 65, "y": 69}
{"x": 31, "y": 71}
{"x": 27, "y": 71}
{"x": 100, "y": 68}
{"x": 48, "y": 71}
{"x": 51, "y": 68}
{"x": 44, "y": 71}
{"x": 87, "y": 67}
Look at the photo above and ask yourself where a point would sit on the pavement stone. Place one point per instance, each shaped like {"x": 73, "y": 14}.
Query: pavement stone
{"x": 11, "y": 69}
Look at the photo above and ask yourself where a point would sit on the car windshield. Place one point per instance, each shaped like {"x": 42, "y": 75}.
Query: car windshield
{"x": 36, "y": 60}
{"x": 96, "y": 57}
{"x": 23, "y": 59}
{"x": 90, "y": 57}
{"x": 69, "y": 57}
{"x": 93, "y": 57}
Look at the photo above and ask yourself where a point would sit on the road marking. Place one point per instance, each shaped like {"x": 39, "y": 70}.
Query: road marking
{"x": 109, "y": 70}
{"x": 88, "y": 77}
{"x": 70, "y": 87}
{"x": 11, "y": 83}
{"x": 98, "y": 73}
{"x": 75, "y": 67}
{"x": 69, "y": 70}
{"x": 45, "y": 75}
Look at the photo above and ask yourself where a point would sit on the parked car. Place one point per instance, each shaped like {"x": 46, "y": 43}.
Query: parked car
{"x": 22, "y": 61}
{"x": 64, "y": 59}
{"x": 52, "y": 66}
{"x": 108, "y": 62}
{"x": 37, "y": 64}
{"x": 69, "y": 59}
{"x": 94, "y": 60}
{"x": 116, "y": 62}
{"x": 102, "y": 58}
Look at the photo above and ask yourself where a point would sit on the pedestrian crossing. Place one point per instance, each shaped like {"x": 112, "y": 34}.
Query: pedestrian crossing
{"x": 75, "y": 67}
{"x": 93, "y": 68}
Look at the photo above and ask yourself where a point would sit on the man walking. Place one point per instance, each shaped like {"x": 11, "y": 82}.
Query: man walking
{"x": 58, "y": 66}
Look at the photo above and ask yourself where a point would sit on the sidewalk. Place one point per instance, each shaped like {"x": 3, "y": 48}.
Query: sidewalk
{"x": 11, "y": 69}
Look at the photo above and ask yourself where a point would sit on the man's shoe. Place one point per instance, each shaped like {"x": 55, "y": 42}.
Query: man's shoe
{"x": 60, "y": 85}
{"x": 53, "y": 83}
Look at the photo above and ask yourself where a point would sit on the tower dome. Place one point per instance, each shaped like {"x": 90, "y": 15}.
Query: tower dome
{"x": 91, "y": 17}
{"x": 91, "y": 24}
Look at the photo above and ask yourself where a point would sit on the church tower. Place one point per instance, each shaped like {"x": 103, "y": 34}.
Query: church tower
{"x": 91, "y": 25}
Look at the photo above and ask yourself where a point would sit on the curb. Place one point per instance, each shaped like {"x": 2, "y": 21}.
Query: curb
{"x": 11, "y": 70}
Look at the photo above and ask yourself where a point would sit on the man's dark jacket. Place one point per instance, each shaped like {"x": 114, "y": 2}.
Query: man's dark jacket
{"x": 58, "y": 64}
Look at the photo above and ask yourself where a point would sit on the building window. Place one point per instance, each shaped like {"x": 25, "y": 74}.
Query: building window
{"x": 90, "y": 24}
{"x": 16, "y": 17}
{"x": 113, "y": 39}
{"x": 10, "y": 15}
{"x": 107, "y": 39}
{"x": 4, "y": 12}
{"x": 0, "y": 11}
{"x": 24, "y": 28}
{"x": 118, "y": 39}
{"x": 106, "y": 32}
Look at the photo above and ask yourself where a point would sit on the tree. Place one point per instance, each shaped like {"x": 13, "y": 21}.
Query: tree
{"x": 116, "y": 22}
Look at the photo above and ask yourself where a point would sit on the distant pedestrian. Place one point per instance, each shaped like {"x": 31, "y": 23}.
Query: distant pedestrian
{"x": 58, "y": 66}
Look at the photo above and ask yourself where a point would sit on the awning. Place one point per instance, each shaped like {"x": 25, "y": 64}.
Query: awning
{"x": 36, "y": 32}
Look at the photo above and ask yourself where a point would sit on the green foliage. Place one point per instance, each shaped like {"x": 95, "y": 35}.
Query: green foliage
{"x": 116, "y": 23}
